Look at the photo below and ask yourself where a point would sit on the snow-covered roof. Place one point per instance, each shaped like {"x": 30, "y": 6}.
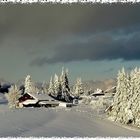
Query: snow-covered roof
{"x": 33, "y": 95}
{"x": 30, "y": 102}
{"x": 41, "y": 96}
{"x": 38, "y": 97}
{"x": 48, "y": 102}
{"x": 98, "y": 91}
{"x": 112, "y": 89}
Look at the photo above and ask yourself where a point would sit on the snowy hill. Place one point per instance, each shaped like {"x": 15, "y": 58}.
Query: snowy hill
{"x": 78, "y": 121}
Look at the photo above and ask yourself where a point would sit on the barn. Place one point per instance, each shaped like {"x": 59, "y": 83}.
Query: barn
{"x": 37, "y": 100}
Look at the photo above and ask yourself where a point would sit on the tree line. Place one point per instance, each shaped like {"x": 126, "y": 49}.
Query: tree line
{"x": 59, "y": 89}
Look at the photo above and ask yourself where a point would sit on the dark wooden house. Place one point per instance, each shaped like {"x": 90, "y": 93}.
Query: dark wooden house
{"x": 37, "y": 100}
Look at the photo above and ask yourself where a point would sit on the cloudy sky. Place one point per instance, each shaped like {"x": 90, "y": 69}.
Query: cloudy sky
{"x": 92, "y": 41}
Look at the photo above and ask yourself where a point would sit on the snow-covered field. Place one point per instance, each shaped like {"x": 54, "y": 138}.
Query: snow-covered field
{"x": 48, "y": 122}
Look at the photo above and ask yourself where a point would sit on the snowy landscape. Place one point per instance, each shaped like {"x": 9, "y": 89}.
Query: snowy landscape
{"x": 61, "y": 111}
{"x": 70, "y": 70}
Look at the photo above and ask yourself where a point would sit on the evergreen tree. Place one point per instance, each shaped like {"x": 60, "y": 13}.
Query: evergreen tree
{"x": 13, "y": 96}
{"x": 135, "y": 96}
{"x": 56, "y": 85}
{"x": 126, "y": 106}
{"x": 29, "y": 85}
{"x": 51, "y": 87}
{"x": 78, "y": 89}
{"x": 44, "y": 87}
{"x": 65, "y": 85}
{"x": 120, "y": 109}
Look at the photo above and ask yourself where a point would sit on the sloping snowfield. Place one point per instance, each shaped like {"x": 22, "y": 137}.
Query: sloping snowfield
{"x": 79, "y": 121}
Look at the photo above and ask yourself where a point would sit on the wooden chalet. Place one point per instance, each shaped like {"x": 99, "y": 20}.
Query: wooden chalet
{"x": 37, "y": 100}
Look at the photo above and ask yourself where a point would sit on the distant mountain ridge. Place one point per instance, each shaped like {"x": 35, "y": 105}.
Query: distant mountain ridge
{"x": 104, "y": 84}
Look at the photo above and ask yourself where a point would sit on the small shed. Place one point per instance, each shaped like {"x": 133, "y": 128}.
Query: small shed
{"x": 98, "y": 92}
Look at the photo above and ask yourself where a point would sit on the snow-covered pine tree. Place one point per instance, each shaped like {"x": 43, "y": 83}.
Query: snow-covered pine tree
{"x": 56, "y": 85}
{"x": 44, "y": 87}
{"x": 127, "y": 115}
{"x": 13, "y": 96}
{"x": 119, "y": 112}
{"x": 135, "y": 96}
{"x": 67, "y": 81}
{"x": 65, "y": 85}
{"x": 126, "y": 107}
{"x": 29, "y": 85}
{"x": 51, "y": 87}
{"x": 78, "y": 89}
{"x": 62, "y": 82}
{"x": 115, "y": 108}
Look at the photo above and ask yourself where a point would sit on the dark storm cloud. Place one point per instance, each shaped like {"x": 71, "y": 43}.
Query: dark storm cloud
{"x": 103, "y": 46}
{"x": 94, "y": 32}
{"x": 47, "y": 20}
